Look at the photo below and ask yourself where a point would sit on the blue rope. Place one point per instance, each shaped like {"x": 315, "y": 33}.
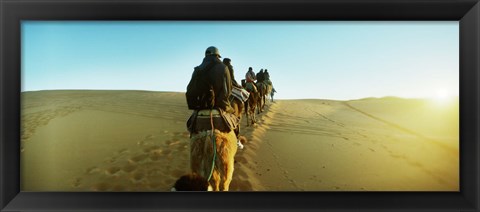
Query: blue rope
{"x": 214, "y": 156}
{"x": 214, "y": 146}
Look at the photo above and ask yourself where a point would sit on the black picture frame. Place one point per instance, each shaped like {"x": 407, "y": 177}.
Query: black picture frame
{"x": 12, "y": 12}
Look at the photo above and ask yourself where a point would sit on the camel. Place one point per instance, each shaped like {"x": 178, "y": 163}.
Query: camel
{"x": 260, "y": 99}
{"x": 238, "y": 106}
{"x": 212, "y": 155}
{"x": 264, "y": 89}
{"x": 250, "y": 106}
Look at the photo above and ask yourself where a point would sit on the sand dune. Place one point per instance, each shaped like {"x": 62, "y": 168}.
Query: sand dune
{"x": 137, "y": 141}
{"x": 317, "y": 145}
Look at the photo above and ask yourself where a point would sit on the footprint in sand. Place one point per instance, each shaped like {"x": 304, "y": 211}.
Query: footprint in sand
{"x": 151, "y": 148}
{"x": 92, "y": 170}
{"x": 384, "y": 147}
{"x": 167, "y": 152}
{"x": 128, "y": 168}
{"x": 182, "y": 147}
{"x": 138, "y": 158}
{"x": 123, "y": 151}
{"x": 145, "y": 140}
{"x": 77, "y": 182}
{"x": 155, "y": 172}
{"x": 174, "y": 142}
{"x": 137, "y": 177}
{"x": 156, "y": 155}
{"x": 148, "y": 137}
{"x": 112, "y": 170}
{"x": 276, "y": 156}
{"x": 362, "y": 135}
{"x": 167, "y": 143}
{"x": 111, "y": 160}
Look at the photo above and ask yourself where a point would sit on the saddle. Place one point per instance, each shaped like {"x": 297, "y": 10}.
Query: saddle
{"x": 202, "y": 120}
{"x": 251, "y": 87}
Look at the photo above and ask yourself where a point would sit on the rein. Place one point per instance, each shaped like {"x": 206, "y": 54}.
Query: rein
{"x": 214, "y": 146}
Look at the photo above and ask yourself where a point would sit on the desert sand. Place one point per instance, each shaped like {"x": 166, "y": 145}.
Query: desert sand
{"x": 137, "y": 141}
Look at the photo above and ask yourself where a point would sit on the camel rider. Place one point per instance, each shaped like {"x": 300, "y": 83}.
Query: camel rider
{"x": 211, "y": 81}
{"x": 260, "y": 76}
{"x": 227, "y": 62}
{"x": 250, "y": 77}
{"x": 273, "y": 92}
{"x": 266, "y": 77}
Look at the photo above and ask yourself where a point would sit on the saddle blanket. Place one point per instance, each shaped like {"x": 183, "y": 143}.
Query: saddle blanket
{"x": 240, "y": 94}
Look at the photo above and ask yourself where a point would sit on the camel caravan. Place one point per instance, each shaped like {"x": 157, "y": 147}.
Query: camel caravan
{"x": 218, "y": 102}
{"x": 260, "y": 89}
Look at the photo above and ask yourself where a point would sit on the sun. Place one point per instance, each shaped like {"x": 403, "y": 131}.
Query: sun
{"x": 442, "y": 96}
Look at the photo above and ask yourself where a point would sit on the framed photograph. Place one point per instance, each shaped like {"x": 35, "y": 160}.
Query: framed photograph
{"x": 287, "y": 105}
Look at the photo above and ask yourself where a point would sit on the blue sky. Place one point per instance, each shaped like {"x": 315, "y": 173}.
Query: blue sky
{"x": 319, "y": 60}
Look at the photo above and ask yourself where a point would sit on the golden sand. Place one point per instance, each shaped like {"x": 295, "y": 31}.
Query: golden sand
{"x": 137, "y": 141}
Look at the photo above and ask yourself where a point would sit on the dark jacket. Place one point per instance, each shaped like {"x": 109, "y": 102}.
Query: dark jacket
{"x": 266, "y": 76}
{"x": 260, "y": 76}
{"x": 220, "y": 79}
{"x": 234, "y": 82}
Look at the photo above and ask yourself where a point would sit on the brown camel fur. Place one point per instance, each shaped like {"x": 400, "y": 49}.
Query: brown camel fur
{"x": 202, "y": 155}
{"x": 264, "y": 90}
{"x": 250, "y": 106}
{"x": 238, "y": 107}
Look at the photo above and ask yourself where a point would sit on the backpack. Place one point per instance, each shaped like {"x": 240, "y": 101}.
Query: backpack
{"x": 200, "y": 93}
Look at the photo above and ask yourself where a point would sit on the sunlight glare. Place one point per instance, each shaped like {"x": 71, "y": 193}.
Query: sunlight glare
{"x": 442, "y": 97}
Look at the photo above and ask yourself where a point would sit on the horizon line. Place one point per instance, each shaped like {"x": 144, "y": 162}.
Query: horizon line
{"x": 308, "y": 98}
